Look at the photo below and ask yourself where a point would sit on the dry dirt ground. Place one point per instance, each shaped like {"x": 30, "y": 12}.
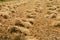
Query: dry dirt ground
{"x": 30, "y": 20}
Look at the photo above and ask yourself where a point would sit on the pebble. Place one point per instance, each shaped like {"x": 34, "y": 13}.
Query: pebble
{"x": 24, "y": 30}
{"x": 56, "y": 24}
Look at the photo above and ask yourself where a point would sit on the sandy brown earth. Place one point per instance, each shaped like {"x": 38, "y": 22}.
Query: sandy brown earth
{"x": 30, "y": 20}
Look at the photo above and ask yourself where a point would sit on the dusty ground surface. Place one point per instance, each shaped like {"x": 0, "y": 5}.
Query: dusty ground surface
{"x": 30, "y": 20}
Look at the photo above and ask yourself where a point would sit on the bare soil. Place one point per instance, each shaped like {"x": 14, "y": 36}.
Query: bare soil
{"x": 30, "y": 20}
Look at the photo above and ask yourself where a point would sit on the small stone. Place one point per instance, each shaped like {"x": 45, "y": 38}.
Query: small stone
{"x": 13, "y": 11}
{"x": 24, "y": 30}
{"x": 12, "y": 30}
{"x": 5, "y": 16}
{"x": 53, "y": 16}
{"x": 19, "y": 23}
{"x": 31, "y": 16}
{"x": 56, "y": 24}
{"x": 27, "y": 24}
